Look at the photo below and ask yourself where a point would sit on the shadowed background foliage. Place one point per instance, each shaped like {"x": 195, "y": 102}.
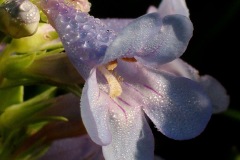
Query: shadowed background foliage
{"x": 213, "y": 50}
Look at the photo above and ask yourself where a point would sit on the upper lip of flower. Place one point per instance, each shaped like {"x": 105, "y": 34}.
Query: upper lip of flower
{"x": 150, "y": 39}
{"x": 147, "y": 38}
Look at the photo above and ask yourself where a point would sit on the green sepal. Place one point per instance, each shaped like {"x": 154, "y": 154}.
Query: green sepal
{"x": 54, "y": 67}
{"x": 46, "y": 38}
{"x": 43, "y": 17}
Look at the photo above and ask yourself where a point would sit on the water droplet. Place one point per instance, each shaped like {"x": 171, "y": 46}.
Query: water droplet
{"x": 54, "y": 5}
{"x": 83, "y": 35}
{"x": 102, "y": 38}
{"x": 82, "y": 18}
{"x": 86, "y": 27}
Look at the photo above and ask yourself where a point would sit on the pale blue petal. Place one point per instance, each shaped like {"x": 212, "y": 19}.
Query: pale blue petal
{"x": 152, "y": 40}
{"x": 116, "y": 24}
{"x": 94, "y": 111}
{"x": 169, "y": 7}
{"x": 216, "y": 92}
{"x": 152, "y": 9}
{"x": 180, "y": 68}
{"x": 183, "y": 109}
{"x": 132, "y": 137}
{"x": 178, "y": 106}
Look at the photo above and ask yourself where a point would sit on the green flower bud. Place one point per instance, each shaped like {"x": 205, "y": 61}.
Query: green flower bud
{"x": 19, "y": 18}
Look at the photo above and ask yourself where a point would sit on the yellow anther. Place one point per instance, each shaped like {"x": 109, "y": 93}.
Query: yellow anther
{"x": 129, "y": 59}
{"x": 115, "y": 88}
{"x": 119, "y": 78}
{"x": 112, "y": 65}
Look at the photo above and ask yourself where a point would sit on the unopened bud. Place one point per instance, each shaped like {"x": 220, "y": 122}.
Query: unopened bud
{"x": 19, "y": 18}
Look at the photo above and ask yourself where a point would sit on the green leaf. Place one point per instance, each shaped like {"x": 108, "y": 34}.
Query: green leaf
{"x": 39, "y": 122}
{"x": 10, "y": 96}
{"x": 8, "y": 83}
{"x": 12, "y": 66}
{"x": 20, "y": 114}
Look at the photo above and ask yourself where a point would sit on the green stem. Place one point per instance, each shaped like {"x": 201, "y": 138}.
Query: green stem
{"x": 6, "y": 52}
{"x": 232, "y": 113}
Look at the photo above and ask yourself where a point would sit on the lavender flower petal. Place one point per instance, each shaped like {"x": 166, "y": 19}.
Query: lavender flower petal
{"x": 216, "y": 92}
{"x": 117, "y": 120}
{"x": 152, "y": 9}
{"x": 84, "y": 37}
{"x": 180, "y": 68}
{"x": 94, "y": 111}
{"x": 151, "y": 39}
{"x": 170, "y": 7}
{"x": 178, "y": 106}
{"x": 116, "y": 24}
{"x": 131, "y": 135}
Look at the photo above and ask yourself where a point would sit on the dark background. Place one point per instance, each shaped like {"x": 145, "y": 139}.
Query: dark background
{"x": 213, "y": 50}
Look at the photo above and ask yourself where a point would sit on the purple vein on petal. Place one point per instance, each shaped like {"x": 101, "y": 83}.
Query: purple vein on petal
{"x": 122, "y": 100}
{"x": 98, "y": 95}
{"x": 120, "y": 107}
{"x": 151, "y": 89}
{"x": 134, "y": 88}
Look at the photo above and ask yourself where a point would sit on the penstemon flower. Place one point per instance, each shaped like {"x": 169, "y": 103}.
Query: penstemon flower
{"x": 131, "y": 68}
